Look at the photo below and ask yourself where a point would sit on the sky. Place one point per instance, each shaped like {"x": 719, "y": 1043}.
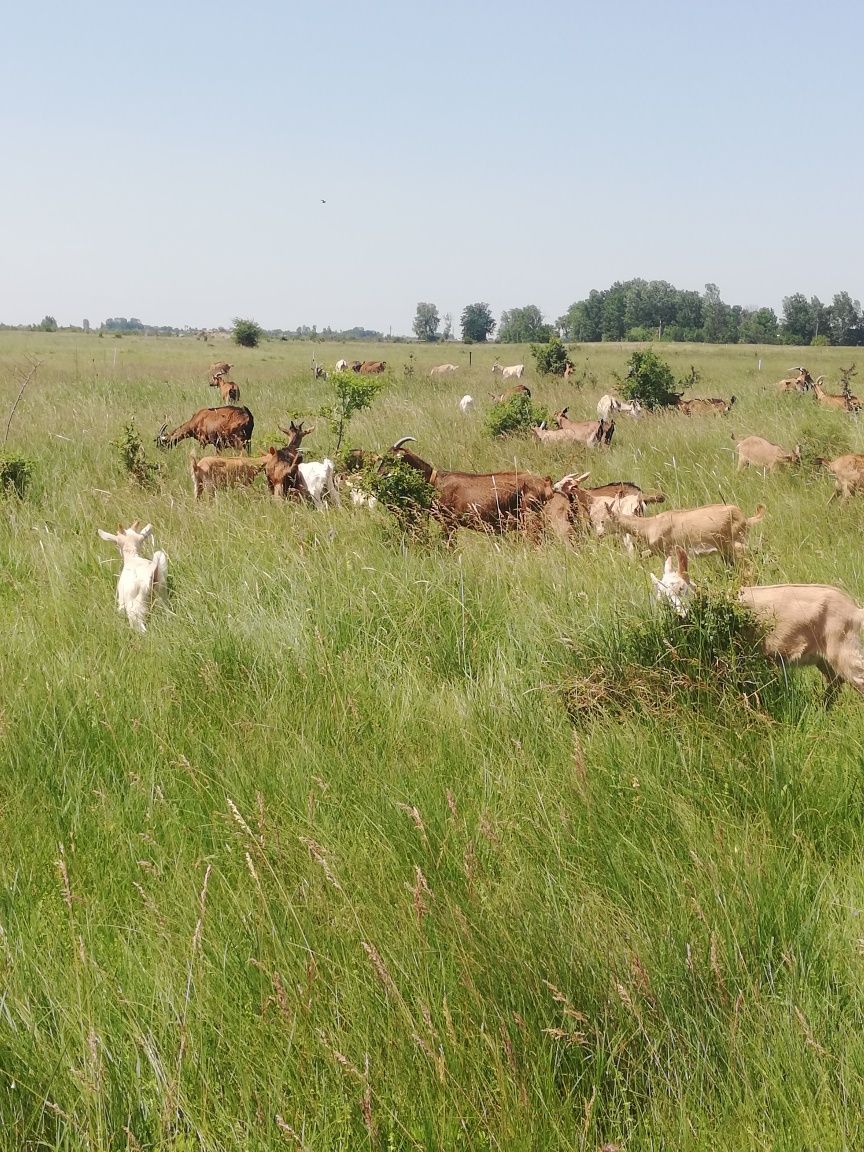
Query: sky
{"x": 168, "y": 161}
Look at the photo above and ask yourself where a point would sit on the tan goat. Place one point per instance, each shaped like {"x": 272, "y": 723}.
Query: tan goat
{"x": 711, "y": 528}
{"x": 814, "y": 624}
{"x": 848, "y": 473}
{"x": 228, "y": 390}
{"x": 759, "y": 453}
{"x": 212, "y": 472}
{"x": 845, "y": 402}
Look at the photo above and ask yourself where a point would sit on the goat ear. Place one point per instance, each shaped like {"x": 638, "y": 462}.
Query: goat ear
{"x": 146, "y": 530}
{"x": 271, "y": 451}
{"x": 107, "y": 535}
{"x": 134, "y": 525}
{"x": 683, "y": 560}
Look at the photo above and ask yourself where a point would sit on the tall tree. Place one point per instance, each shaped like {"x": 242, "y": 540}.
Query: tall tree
{"x": 477, "y": 323}
{"x": 846, "y": 320}
{"x": 798, "y": 327}
{"x": 523, "y": 326}
{"x": 426, "y": 322}
{"x": 759, "y": 327}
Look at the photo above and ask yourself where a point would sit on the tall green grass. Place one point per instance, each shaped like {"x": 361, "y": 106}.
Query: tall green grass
{"x": 323, "y": 860}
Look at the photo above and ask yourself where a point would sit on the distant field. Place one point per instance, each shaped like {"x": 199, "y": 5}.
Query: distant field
{"x": 322, "y": 862}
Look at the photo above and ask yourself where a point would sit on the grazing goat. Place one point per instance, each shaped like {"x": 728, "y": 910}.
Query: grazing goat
{"x": 700, "y": 407}
{"x": 140, "y": 579}
{"x": 212, "y": 472}
{"x": 318, "y": 481}
{"x": 710, "y": 528}
{"x": 360, "y": 498}
{"x": 283, "y": 464}
{"x": 588, "y": 432}
{"x": 509, "y": 393}
{"x": 443, "y": 369}
{"x": 814, "y": 624}
{"x": 607, "y": 404}
{"x": 758, "y": 453}
{"x": 674, "y": 586}
{"x": 341, "y": 365}
{"x": 803, "y": 382}
{"x": 599, "y": 503}
{"x": 217, "y": 371}
{"x": 848, "y": 473}
{"x": 845, "y": 402}
{"x": 514, "y": 372}
{"x": 466, "y": 404}
{"x": 227, "y": 427}
{"x": 371, "y": 367}
{"x": 490, "y": 502}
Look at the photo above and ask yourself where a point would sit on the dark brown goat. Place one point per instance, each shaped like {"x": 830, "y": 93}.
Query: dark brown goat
{"x": 227, "y": 427}
{"x": 485, "y": 502}
{"x": 282, "y": 467}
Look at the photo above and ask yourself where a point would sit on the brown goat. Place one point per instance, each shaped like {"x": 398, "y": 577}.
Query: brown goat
{"x": 509, "y": 393}
{"x": 700, "y": 407}
{"x": 845, "y": 402}
{"x": 485, "y": 502}
{"x": 282, "y": 466}
{"x": 372, "y": 367}
{"x": 217, "y": 371}
{"x": 212, "y": 472}
{"x": 229, "y": 391}
{"x": 848, "y": 473}
{"x": 228, "y": 427}
{"x": 803, "y": 382}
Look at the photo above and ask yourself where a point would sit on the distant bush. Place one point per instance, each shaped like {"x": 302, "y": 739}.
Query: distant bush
{"x": 711, "y": 657}
{"x": 246, "y": 333}
{"x": 649, "y": 380}
{"x": 16, "y": 472}
{"x": 134, "y": 458}
{"x": 551, "y": 358}
{"x": 515, "y": 416}
{"x": 820, "y": 341}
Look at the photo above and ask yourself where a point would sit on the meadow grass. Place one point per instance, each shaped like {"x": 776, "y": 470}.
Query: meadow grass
{"x": 327, "y": 860}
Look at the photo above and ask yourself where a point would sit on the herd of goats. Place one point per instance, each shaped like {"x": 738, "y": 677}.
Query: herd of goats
{"x": 815, "y": 624}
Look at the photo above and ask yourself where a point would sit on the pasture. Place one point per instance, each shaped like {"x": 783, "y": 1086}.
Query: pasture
{"x": 323, "y": 861}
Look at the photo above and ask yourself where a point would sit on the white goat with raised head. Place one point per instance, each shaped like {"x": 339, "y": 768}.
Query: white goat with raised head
{"x": 607, "y": 404}
{"x": 466, "y": 404}
{"x": 140, "y": 579}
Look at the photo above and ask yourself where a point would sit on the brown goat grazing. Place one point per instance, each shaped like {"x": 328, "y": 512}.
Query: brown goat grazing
{"x": 509, "y": 393}
{"x": 802, "y": 382}
{"x": 282, "y": 465}
{"x": 484, "y": 502}
{"x": 212, "y": 472}
{"x": 700, "y": 407}
{"x": 845, "y": 402}
{"x": 217, "y": 371}
{"x": 597, "y": 504}
{"x": 759, "y": 453}
{"x": 222, "y": 427}
{"x": 710, "y": 528}
{"x": 848, "y": 473}
{"x": 587, "y": 432}
{"x": 813, "y": 624}
{"x": 372, "y": 367}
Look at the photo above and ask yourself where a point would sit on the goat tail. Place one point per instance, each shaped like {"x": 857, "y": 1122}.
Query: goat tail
{"x": 758, "y": 515}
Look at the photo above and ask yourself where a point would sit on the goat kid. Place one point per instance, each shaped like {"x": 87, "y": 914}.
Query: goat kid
{"x": 140, "y": 579}
{"x": 212, "y": 472}
{"x": 711, "y": 528}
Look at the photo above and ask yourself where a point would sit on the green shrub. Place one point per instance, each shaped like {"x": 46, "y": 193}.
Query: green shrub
{"x": 819, "y": 443}
{"x": 16, "y": 473}
{"x": 246, "y": 333}
{"x": 403, "y": 491}
{"x": 515, "y": 416}
{"x": 351, "y": 393}
{"x": 551, "y": 358}
{"x": 710, "y": 658}
{"x": 134, "y": 458}
{"x": 649, "y": 380}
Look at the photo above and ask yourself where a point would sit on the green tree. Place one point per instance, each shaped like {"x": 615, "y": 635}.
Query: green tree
{"x": 477, "y": 323}
{"x": 523, "y": 326}
{"x": 649, "y": 380}
{"x": 426, "y": 322}
{"x": 846, "y": 320}
{"x": 551, "y": 358}
{"x": 48, "y": 324}
{"x": 759, "y": 327}
{"x": 351, "y": 393}
{"x": 247, "y": 333}
{"x": 448, "y": 327}
{"x": 798, "y": 327}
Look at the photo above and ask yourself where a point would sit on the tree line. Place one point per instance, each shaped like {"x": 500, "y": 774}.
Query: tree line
{"x": 654, "y": 309}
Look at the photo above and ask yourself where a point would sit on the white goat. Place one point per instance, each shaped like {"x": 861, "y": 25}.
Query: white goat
{"x": 341, "y": 365}
{"x": 140, "y": 579}
{"x": 607, "y": 404}
{"x": 466, "y": 404}
{"x": 360, "y": 498}
{"x": 444, "y": 369}
{"x": 514, "y": 371}
{"x": 318, "y": 478}
{"x": 675, "y": 584}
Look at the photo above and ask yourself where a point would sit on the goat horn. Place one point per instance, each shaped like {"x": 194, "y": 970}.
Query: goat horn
{"x": 403, "y": 440}
{"x": 134, "y": 525}
{"x": 579, "y": 479}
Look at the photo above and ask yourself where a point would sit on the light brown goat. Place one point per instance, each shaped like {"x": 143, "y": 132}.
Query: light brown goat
{"x": 814, "y": 624}
{"x": 700, "y": 407}
{"x": 229, "y": 391}
{"x": 212, "y": 472}
{"x": 758, "y": 453}
{"x": 217, "y": 371}
{"x": 848, "y": 473}
{"x": 803, "y": 382}
{"x": 711, "y": 528}
{"x": 845, "y": 402}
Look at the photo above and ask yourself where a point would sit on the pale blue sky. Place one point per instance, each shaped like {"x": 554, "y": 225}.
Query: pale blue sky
{"x": 167, "y": 161}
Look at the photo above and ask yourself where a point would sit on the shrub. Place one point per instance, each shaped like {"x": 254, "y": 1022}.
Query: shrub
{"x": 515, "y": 416}
{"x": 351, "y": 393}
{"x": 16, "y": 472}
{"x": 710, "y": 658}
{"x": 246, "y": 333}
{"x": 551, "y": 358}
{"x": 649, "y": 380}
{"x": 820, "y": 341}
{"x": 131, "y": 448}
{"x": 819, "y": 443}
{"x": 403, "y": 491}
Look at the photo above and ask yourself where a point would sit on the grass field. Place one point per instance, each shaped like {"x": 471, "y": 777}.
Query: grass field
{"x": 322, "y": 861}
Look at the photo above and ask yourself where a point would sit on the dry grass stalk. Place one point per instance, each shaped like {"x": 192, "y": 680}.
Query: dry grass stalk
{"x": 380, "y": 968}
{"x": 411, "y": 811}
{"x": 317, "y": 854}
{"x": 235, "y": 812}
{"x": 421, "y": 894}
{"x": 174, "y": 1090}
{"x": 366, "y": 1104}
{"x": 809, "y": 1039}
{"x": 340, "y": 1058}
{"x": 451, "y": 804}
{"x": 288, "y": 1132}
